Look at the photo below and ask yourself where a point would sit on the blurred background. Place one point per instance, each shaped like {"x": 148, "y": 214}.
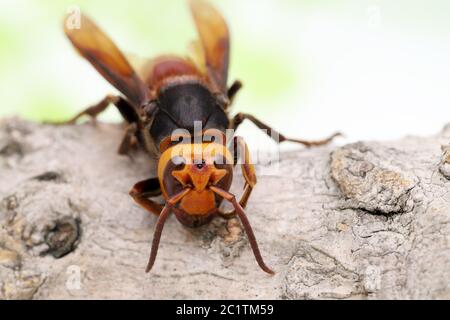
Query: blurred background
{"x": 373, "y": 69}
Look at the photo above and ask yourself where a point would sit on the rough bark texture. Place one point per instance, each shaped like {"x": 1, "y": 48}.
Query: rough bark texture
{"x": 368, "y": 220}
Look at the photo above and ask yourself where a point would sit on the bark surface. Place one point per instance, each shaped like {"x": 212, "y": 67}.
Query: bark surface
{"x": 368, "y": 220}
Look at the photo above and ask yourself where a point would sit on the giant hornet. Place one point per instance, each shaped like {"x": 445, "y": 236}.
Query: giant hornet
{"x": 161, "y": 103}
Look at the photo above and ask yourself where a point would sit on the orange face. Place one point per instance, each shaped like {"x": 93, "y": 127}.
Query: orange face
{"x": 197, "y": 166}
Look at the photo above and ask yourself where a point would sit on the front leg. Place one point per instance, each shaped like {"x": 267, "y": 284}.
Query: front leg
{"x": 145, "y": 189}
{"x": 241, "y": 155}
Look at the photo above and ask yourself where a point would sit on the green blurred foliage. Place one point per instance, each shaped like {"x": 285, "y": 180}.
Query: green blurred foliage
{"x": 35, "y": 56}
{"x": 42, "y": 78}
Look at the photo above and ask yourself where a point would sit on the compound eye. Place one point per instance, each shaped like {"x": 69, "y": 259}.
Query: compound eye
{"x": 179, "y": 162}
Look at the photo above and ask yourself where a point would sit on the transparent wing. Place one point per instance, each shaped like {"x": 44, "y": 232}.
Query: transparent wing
{"x": 94, "y": 45}
{"x": 215, "y": 40}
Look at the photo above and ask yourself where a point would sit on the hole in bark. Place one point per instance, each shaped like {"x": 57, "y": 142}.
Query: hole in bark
{"x": 63, "y": 238}
{"x": 12, "y": 148}
{"x": 49, "y": 176}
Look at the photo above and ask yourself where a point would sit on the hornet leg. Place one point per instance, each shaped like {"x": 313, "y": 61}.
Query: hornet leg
{"x": 145, "y": 189}
{"x": 129, "y": 139}
{"x": 240, "y": 117}
{"x": 126, "y": 110}
{"x": 242, "y": 153}
{"x": 93, "y": 111}
{"x": 235, "y": 87}
{"x": 242, "y": 156}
